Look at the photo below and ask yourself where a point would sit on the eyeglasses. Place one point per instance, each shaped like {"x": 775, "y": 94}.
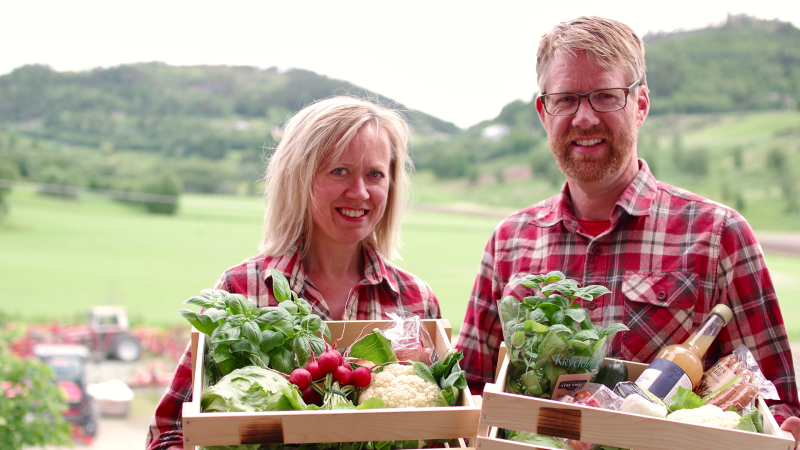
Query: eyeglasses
{"x": 601, "y": 100}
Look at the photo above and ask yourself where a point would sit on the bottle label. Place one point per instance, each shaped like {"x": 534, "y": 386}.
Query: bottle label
{"x": 663, "y": 377}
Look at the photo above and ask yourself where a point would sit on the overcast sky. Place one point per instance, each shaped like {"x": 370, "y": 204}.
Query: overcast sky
{"x": 458, "y": 60}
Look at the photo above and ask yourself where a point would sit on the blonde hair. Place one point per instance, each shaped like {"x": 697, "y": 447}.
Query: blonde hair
{"x": 329, "y": 125}
{"x": 607, "y": 43}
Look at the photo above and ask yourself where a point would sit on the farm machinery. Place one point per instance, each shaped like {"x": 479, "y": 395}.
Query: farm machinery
{"x": 107, "y": 333}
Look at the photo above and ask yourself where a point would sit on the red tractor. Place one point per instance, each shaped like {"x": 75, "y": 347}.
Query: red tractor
{"x": 107, "y": 333}
{"x": 69, "y": 366}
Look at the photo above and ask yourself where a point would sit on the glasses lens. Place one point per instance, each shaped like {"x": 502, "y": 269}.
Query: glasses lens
{"x": 608, "y": 100}
{"x": 561, "y": 104}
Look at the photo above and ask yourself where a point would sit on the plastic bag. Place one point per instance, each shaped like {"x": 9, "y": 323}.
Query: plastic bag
{"x": 410, "y": 339}
{"x": 735, "y": 381}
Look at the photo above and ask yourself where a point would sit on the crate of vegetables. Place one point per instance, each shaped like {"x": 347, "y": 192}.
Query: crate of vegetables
{"x": 280, "y": 375}
{"x": 536, "y": 421}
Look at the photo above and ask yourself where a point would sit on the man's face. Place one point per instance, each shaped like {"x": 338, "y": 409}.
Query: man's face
{"x": 590, "y": 146}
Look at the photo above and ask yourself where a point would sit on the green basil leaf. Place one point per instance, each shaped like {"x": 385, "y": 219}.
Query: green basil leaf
{"x": 303, "y": 306}
{"x": 553, "y": 277}
{"x": 203, "y": 302}
{"x": 281, "y": 360}
{"x": 323, "y": 328}
{"x": 237, "y": 304}
{"x": 586, "y": 334}
{"x": 275, "y": 317}
{"x": 216, "y": 315}
{"x": 576, "y": 314}
{"x": 252, "y": 333}
{"x": 509, "y": 309}
{"x": 317, "y": 344}
{"x": 311, "y": 323}
{"x": 202, "y": 322}
{"x": 555, "y": 287}
{"x": 271, "y": 339}
{"x": 302, "y": 348}
{"x": 612, "y": 329}
{"x": 290, "y": 307}
{"x": 280, "y": 286}
{"x": 591, "y": 292}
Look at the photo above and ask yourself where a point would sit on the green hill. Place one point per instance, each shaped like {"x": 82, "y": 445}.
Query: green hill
{"x": 746, "y": 64}
{"x": 724, "y": 122}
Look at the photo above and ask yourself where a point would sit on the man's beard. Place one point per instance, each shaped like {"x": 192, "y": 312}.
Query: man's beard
{"x": 594, "y": 167}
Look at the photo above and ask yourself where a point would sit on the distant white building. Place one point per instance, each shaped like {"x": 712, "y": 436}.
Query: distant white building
{"x": 494, "y": 132}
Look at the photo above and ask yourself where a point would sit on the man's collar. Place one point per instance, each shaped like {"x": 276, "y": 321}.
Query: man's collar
{"x": 636, "y": 200}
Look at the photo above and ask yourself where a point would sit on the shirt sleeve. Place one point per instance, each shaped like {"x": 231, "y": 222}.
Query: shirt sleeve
{"x": 746, "y": 286}
{"x": 166, "y": 431}
{"x": 481, "y": 333}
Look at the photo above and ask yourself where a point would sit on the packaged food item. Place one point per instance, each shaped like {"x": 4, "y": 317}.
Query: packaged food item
{"x": 681, "y": 365}
{"x": 735, "y": 381}
{"x": 637, "y": 404}
{"x": 594, "y": 395}
{"x": 410, "y": 339}
{"x": 627, "y": 388}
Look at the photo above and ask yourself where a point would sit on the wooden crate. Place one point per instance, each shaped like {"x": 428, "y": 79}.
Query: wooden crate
{"x": 304, "y": 427}
{"x": 625, "y": 430}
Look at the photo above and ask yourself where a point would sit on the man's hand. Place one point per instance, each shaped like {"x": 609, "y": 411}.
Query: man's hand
{"x": 792, "y": 425}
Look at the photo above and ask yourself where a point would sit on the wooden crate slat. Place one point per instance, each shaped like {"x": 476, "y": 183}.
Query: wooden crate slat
{"x": 298, "y": 427}
{"x": 515, "y": 412}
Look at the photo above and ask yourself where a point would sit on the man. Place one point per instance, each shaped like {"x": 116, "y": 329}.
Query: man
{"x": 667, "y": 255}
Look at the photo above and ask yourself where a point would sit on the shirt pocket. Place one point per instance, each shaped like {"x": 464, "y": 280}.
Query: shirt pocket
{"x": 659, "y": 309}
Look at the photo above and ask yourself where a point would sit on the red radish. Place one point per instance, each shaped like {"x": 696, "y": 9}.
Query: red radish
{"x": 328, "y": 361}
{"x": 311, "y": 396}
{"x": 361, "y": 377}
{"x": 342, "y": 375}
{"x": 313, "y": 369}
{"x": 300, "y": 378}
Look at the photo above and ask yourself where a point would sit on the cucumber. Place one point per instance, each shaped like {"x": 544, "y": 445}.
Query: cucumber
{"x": 611, "y": 374}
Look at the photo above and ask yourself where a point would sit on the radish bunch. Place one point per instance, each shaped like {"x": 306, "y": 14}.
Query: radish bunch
{"x": 329, "y": 362}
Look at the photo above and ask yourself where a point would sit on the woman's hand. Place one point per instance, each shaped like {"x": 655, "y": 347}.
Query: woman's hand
{"x": 792, "y": 425}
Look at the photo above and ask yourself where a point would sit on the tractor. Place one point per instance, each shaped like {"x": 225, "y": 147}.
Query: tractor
{"x": 107, "y": 333}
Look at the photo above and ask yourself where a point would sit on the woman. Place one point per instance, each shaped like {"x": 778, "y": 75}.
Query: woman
{"x": 335, "y": 191}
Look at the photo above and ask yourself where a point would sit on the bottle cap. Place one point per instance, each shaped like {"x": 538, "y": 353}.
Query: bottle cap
{"x": 724, "y": 312}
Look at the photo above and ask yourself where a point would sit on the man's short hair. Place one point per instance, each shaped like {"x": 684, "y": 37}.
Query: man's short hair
{"x": 321, "y": 130}
{"x": 607, "y": 43}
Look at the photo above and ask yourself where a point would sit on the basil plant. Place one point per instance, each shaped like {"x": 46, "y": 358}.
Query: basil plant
{"x": 276, "y": 337}
{"x": 549, "y": 335}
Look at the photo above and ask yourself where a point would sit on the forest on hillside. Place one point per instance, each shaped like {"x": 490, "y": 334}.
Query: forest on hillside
{"x": 162, "y": 129}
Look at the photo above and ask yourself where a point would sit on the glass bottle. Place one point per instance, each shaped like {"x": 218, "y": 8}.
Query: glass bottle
{"x": 681, "y": 364}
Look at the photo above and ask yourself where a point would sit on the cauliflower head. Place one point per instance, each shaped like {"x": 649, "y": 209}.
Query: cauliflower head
{"x": 399, "y": 386}
{"x": 707, "y": 415}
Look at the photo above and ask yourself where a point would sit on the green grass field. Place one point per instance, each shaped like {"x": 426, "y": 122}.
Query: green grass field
{"x": 59, "y": 257}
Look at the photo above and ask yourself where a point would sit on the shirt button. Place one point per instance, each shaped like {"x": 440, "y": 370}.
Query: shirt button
{"x": 597, "y": 250}
{"x": 592, "y": 305}
{"x": 662, "y": 296}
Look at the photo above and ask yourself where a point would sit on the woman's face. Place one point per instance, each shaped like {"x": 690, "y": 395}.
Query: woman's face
{"x": 348, "y": 195}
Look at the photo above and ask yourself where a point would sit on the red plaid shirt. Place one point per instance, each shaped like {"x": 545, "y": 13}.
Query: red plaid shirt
{"x": 384, "y": 288}
{"x": 668, "y": 258}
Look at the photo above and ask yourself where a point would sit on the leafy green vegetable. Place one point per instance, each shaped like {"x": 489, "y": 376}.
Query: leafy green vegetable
{"x": 753, "y": 422}
{"x": 248, "y": 389}
{"x": 447, "y": 374}
{"x": 374, "y": 347}
{"x": 549, "y": 335}
{"x": 280, "y": 337}
{"x": 685, "y": 399}
{"x": 534, "y": 439}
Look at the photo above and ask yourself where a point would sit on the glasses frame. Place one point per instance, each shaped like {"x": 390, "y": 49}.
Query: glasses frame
{"x": 589, "y": 99}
